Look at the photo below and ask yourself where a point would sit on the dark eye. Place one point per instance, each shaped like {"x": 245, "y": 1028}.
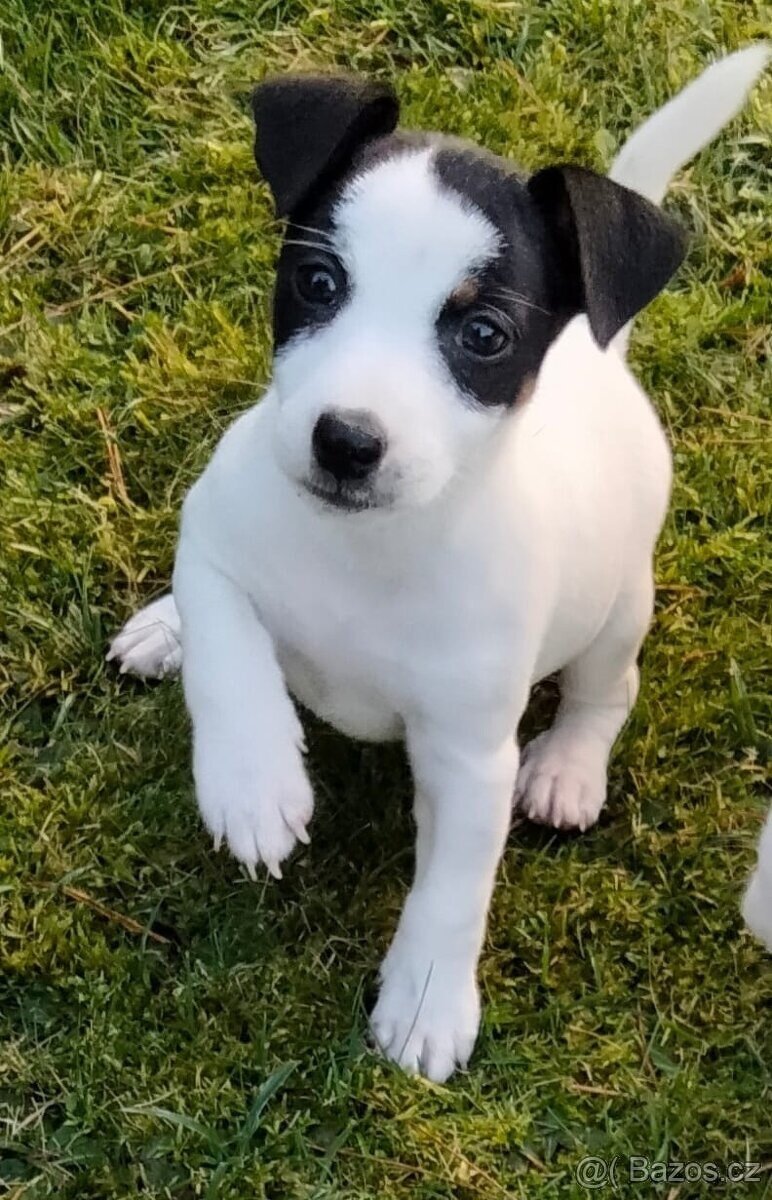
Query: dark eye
{"x": 317, "y": 284}
{"x": 483, "y": 337}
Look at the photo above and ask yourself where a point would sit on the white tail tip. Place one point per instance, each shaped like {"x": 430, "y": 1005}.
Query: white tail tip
{"x": 677, "y": 131}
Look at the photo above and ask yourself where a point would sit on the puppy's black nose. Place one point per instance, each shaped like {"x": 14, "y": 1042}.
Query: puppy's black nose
{"x": 349, "y": 447}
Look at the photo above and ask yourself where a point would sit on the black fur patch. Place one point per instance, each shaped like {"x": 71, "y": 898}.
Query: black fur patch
{"x": 292, "y": 314}
{"x": 514, "y": 291}
{"x": 618, "y": 250}
{"x": 309, "y": 126}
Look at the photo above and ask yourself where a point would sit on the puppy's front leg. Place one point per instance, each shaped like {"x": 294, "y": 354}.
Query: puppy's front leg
{"x": 251, "y": 783}
{"x": 428, "y": 1010}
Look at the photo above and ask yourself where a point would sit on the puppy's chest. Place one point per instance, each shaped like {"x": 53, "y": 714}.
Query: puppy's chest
{"x": 345, "y": 653}
{"x": 357, "y": 705}
{"x": 365, "y": 649}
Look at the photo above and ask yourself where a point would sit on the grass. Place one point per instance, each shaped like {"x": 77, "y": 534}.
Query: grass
{"x": 168, "y": 1028}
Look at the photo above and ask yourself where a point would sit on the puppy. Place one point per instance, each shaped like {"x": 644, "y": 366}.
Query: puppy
{"x": 452, "y": 488}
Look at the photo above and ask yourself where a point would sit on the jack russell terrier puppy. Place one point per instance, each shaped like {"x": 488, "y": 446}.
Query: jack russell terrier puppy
{"x": 451, "y": 489}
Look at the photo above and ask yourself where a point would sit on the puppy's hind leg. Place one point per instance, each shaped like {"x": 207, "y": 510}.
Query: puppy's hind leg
{"x": 149, "y": 643}
{"x": 562, "y": 777}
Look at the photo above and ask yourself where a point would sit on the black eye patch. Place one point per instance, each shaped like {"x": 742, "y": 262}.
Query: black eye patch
{"x": 493, "y": 338}
{"x": 495, "y": 327}
{"x": 311, "y": 282}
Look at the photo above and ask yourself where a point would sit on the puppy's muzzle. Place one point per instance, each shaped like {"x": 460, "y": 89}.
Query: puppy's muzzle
{"x": 348, "y": 447}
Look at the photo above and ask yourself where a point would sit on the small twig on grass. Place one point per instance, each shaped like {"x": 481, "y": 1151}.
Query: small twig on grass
{"x": 531, "y": 1158}
{"x": 110, "y": 914}
{"x": 114, "y": 463}
{"x": 592, "y": 1090}
{"x": 687, "y": 589}
{"x": 27, "y": 242}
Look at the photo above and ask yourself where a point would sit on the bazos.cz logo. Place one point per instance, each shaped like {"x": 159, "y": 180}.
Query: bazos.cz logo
{"x": 594, "y": 1172}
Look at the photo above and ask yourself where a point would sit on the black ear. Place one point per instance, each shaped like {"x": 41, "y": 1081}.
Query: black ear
{"x": 616, "y": 248}
{"x": 308, "y": 127}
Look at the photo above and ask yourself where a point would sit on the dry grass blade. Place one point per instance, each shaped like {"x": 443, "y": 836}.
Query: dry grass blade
{"x": 117, "y": 918}
{"x": 114, "y": 464}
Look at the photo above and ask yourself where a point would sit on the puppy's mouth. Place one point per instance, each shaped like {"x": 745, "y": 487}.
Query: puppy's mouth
{"x": 344, "y": 497}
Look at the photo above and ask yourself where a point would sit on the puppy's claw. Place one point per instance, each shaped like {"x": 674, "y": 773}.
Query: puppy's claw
{"x": 217, "y": 842}
{"x": 274, "y": 869}
{"x": 296, "y": 825}
{"x": 251, "y": 872}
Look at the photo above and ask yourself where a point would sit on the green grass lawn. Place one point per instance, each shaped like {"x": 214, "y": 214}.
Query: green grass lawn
{"x": 168, "y": 1028}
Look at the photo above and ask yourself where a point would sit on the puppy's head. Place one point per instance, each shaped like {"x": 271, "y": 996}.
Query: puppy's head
{"x": 420, "y": 284}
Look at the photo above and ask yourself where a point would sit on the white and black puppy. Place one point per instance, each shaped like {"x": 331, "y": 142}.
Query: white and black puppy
{"x": 451, "y": 489}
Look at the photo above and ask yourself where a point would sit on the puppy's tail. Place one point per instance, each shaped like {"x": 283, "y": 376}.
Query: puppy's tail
{"x": 658, "y": 149}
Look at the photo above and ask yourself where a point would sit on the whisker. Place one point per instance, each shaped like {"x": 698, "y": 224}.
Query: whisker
{"x": 311, "y": 229}
{"x": 517, "y": 298}
{"x": 505, "y": 317}
{"x": 304, "y": 242}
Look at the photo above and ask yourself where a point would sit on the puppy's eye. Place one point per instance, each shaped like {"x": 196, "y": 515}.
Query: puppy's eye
{"x": 483, "y": 337}
{"x": 318, "y": 284}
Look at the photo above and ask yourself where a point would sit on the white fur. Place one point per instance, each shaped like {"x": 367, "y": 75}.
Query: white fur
{"x": 757, "y": 903}
{"x": 513, "y": 545}
{"x": 149, "y": 644}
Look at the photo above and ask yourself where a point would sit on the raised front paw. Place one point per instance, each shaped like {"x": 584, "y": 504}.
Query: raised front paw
{"x": 149, "y": 643}
{"x": 428, "y": 1010}
{"x": 257, "y": 797}
{"x": 561, "y": 781}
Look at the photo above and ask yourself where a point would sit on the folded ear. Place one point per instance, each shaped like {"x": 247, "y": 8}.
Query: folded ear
{"x": 308, "y": 127}
{"x": 618, "y": 249}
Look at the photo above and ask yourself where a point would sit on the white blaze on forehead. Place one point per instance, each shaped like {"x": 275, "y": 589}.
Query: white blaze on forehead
{"x": 405, "y": 240}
